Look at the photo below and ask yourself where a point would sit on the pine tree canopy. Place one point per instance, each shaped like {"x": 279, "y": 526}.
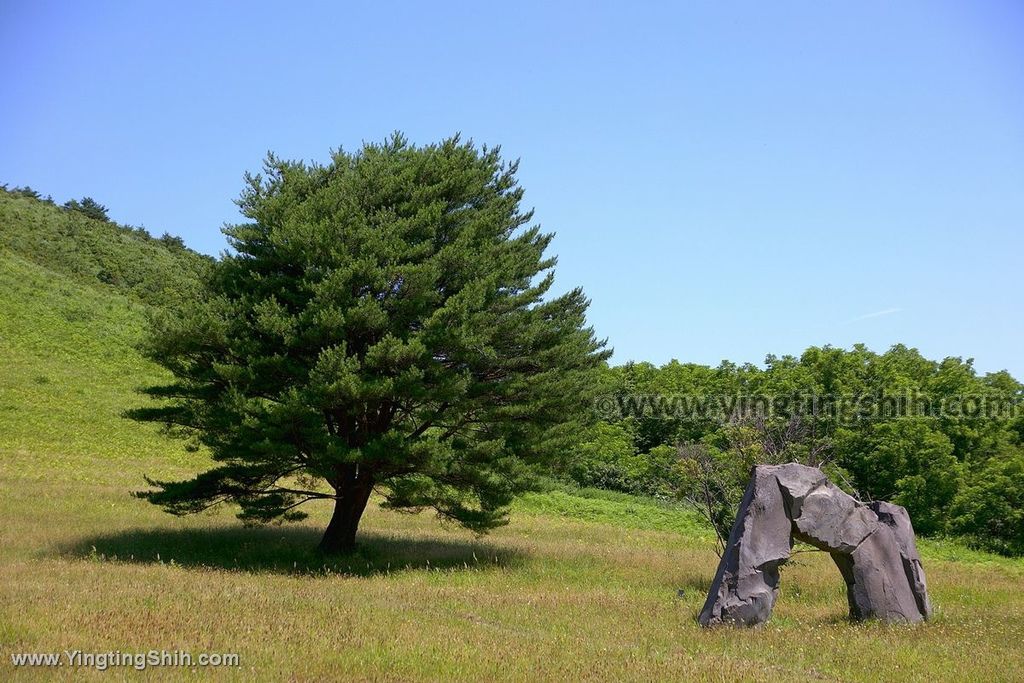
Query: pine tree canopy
{"x": 381, "y": 323}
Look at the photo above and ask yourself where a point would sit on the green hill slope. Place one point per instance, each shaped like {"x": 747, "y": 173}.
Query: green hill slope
{"x": 98, "y": 253}
{"x": 579, "y": 586}
{"x": 70, "y": 369}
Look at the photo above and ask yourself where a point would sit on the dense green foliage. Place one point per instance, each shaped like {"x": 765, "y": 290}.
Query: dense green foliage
{"x": 952, "y": 452}
{"x": 381, "y": 324}
{"x": 88, "y": 207}
{"x": 98, "y": 252}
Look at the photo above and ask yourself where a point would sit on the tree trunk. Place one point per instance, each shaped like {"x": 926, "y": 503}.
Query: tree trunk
{"x": 340, "y": 536}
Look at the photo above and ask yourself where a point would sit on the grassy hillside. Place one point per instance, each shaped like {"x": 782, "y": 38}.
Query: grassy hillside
{"x": 98, "y": 253}
{"x": 580, "y": 584}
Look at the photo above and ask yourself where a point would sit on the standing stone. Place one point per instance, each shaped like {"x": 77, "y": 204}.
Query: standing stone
{"x": 872, "y": 544}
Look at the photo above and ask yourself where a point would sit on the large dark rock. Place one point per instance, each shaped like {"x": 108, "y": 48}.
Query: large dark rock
{"x": 872, "y": 544}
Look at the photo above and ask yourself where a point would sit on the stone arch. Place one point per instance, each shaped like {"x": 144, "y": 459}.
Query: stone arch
{"x": 872, "y": 544}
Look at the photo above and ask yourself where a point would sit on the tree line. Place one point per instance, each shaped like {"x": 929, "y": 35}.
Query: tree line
{"x": 934, "y": 436}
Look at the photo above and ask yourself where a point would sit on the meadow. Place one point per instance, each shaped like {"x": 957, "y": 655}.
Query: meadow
{"x": 581, "y": 584}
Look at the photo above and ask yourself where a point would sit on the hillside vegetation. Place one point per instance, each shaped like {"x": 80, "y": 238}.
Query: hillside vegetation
{"x": 581, "y": 585}
{"x": 98, "y": 252}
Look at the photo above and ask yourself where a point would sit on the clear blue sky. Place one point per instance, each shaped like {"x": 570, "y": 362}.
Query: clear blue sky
{"x": 726, "y": 180}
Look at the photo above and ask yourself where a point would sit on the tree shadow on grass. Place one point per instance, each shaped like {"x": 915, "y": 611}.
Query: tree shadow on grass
{"x": 288, "y": 550}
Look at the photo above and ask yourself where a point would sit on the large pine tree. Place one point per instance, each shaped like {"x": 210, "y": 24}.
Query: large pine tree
{"x": 380, "y": 324}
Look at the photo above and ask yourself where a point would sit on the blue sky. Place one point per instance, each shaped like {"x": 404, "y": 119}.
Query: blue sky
{"x": 726, "y": 180}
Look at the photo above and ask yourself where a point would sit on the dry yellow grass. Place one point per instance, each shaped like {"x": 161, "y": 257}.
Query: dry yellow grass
{"x": 545, "y": 598}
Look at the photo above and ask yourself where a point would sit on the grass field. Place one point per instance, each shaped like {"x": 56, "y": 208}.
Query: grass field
{"x": 580, "y": 585}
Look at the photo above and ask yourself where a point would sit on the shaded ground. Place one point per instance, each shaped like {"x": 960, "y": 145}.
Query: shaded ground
{"x": 286, "y": 550}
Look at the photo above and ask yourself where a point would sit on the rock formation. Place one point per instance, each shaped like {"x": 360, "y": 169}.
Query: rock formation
{"x": 872, "y": 544}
